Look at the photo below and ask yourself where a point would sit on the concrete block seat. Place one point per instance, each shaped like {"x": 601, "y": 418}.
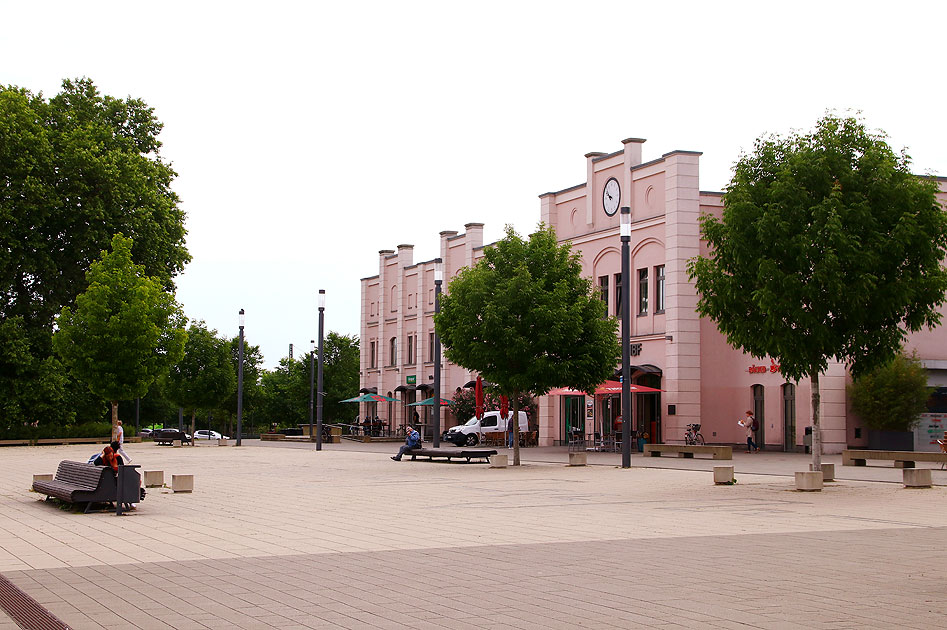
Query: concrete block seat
{"x": 689, "y": 450}
{"x": 902, "y": 459}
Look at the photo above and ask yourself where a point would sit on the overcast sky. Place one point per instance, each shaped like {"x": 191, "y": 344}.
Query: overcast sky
{"x": 308, "y": 136}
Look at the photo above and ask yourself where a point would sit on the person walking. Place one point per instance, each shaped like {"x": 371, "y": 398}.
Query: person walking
{"x": 749, "y": 425}
{"x": 120, "y": 438}
{"x": 412, "y": 441}
{"x": 509, "y": 431}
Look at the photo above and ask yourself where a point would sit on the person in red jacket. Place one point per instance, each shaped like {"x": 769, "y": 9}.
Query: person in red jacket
{"x": 110, "y": 457}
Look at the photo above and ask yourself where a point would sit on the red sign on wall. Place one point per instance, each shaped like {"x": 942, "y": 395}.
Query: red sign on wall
{"x": 762, "y": 369}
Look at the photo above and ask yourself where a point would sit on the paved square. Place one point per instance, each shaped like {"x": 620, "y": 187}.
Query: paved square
{"x": 285, "y": 537}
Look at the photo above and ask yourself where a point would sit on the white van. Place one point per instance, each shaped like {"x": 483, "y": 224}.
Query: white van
{"x": 471, "y": 433}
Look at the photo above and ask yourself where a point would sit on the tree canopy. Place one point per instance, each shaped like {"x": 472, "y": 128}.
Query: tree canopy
{"x": 526, "y": 319}
{"x": 828, "y": 248}
{"x": 204, "y": 378}
{"x": 893, "y": 396}
{"x": 75, "y": 169}
{"x": 125, "y": 331}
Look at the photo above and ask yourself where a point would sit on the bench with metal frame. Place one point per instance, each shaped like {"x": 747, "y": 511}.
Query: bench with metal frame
{"x": 79, "y": 482}
{"x": 452, "y": 453}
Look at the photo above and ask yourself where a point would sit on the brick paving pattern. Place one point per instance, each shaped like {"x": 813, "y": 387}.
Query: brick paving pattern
{"x": 288, "y": 538}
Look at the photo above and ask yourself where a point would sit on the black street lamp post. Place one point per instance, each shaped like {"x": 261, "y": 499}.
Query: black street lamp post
{"x": 436, "y": 416}
{"x": 625, "y": 231}
{"x": 319, "y": 392}
{"x": 242, "y": 320}
{"x": 312, "y": 377}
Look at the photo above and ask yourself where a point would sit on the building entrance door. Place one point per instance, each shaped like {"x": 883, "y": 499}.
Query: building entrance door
{"x": 573, "y": 418}
{"x": 759, "y": 414}
{"x": 789, "y": 417}
{"x": 648, "y": 409}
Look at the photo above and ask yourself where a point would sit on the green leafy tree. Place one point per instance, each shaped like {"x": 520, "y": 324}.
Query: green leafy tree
{"x": 204, "y": 378}
{"x": 32, "y": 389}
{"x": 893, "y": 396}
{"x": 340, "y": 354}
{"x": 252, "y": 372}
{"x": 526, "y": 319}
{"x": 125, "y": 331}
{"x": 75, "y": 170}
{"x": 828, "y": 248}
{"x": 284, "y": 398}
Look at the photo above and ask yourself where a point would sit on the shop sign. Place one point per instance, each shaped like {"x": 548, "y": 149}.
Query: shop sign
{"x": 412, "y": 379}
{"x": 762, "y": 369}
{"x": 635, "y": 349}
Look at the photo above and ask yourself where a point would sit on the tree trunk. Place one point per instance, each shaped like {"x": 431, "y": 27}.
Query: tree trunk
{"x": 114, "y": 404}
{"x": 193, "y": 416}
{"x": 816, "y": 428}
{"x": 516, "y": 428}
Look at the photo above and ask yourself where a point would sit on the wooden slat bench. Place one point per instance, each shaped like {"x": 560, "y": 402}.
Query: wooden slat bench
{"x": 902, "y": 459}
{"x": 689, "y": 450}
{"x": 78, "y": 482}
{"x": 452, "y": 453}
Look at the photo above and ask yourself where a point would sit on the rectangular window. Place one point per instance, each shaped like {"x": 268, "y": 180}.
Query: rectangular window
{"x": 410, "y": 349}
{"x": 659, "y": 289}
{"x": 642, "y": 291}
{"x": 410, "y": 300}
{"x": 372, "y": 355}
{"x": 430, "y": 347}
{"x": 603, "y": 291}
{"x": 393, "y": 351}
{"x": 617, "y": 295}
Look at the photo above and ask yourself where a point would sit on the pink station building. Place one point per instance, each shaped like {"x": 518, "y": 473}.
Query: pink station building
{"x": 703, "y": 379}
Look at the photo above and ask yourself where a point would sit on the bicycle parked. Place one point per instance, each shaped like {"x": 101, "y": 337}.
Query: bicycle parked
{"x": 692, "y": 435}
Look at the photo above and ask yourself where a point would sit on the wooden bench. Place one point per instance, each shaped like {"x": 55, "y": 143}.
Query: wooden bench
{"x": 78, "y": 482}
{"x": 452, "y": 453}
{"x": 689, "y": 450}
{"x": 902, "y": 459}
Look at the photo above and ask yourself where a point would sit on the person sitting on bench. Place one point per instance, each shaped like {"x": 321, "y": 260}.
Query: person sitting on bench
{"x": 411, "y": 442}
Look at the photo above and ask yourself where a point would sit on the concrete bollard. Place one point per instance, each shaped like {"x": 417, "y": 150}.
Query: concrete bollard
{"x": 917, "y": 477}
{"x": 828, "y": 471}
{"x": 499, "y": 461}
{"x": 182, "y": 483}
{"x": 578, "y": 459}
{"x": 154, "y": 478}
{"x": 48, "y": 477}
{"x": 809, "y": 481}
{"x": 221, "y": 442}
{"x": 723, "y": 475}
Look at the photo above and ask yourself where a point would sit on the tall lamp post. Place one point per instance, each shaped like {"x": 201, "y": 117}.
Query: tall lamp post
{"x": 242, "y": 320}
{"x": 625, "y": 231}
{"x": 438, "y": 280}
{"x": 312, "y": 377}
{"x": 319, "y": 392}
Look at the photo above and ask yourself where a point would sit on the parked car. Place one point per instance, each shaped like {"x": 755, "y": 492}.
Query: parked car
{"x": 144, "y": 433}
{"x": 207, "y": 434}
{"x": 471, "y": 433}
{"x": 167, "y": 436}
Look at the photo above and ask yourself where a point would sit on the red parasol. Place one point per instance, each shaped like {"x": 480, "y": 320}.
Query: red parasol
{"x": 478, "y": 398}
{"x": 504, "y": 406}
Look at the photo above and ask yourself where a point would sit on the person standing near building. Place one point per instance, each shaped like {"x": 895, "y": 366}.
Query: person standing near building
{"x": 120, "y": 438}
{"x": 749, "y": 425}
{"x": 509, "y": 431}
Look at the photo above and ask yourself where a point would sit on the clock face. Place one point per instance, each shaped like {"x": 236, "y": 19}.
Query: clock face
{"x": 611, "y": 196}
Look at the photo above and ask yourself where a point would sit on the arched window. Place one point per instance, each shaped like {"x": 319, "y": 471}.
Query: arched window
{"x": 394, "y": 298}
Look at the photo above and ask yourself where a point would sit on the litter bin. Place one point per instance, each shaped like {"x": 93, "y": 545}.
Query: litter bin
{"x": 807, "y": 439}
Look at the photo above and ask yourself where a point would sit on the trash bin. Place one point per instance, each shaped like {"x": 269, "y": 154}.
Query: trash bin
{"x": 807, "y": 439}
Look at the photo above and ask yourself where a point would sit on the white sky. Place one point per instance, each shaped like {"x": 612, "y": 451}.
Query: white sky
{"x": 309, "y": 135}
